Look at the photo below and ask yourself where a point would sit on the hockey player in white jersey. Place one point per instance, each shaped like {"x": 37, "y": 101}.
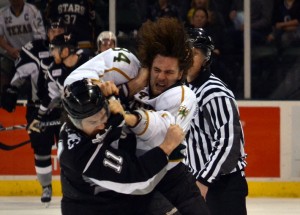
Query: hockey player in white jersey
{"x": 165, "y": 92}
{"x": 164, "y": 50}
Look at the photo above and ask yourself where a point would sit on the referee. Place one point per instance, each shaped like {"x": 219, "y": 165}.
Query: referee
{"x": 215, "y": 140}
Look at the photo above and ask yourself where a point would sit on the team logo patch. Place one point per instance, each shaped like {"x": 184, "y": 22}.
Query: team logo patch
{"x": 183, "y": 111}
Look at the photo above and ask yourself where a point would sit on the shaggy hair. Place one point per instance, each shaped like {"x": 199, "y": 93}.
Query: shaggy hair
{"x": 166, "y": 37}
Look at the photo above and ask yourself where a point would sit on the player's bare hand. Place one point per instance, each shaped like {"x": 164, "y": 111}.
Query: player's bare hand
{"x": 115, "y": 106}
{"x": 203, "y": 189}
{"x": 108, "y": 88}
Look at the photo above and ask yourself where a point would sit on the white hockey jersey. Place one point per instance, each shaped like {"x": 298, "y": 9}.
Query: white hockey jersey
{"x": 118, "y": 65}
{"x": 19, "y": 30}
{"x": 176, "y": 105}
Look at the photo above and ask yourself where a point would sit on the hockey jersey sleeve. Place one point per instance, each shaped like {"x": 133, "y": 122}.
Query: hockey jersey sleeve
{"x": 53, "y": 92}
{"x": 26, "y": 65}
{"x": 117, "y": 65}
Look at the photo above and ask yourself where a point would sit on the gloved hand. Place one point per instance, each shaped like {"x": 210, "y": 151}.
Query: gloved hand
{"x": 9, "y": 98}
{"x": 178, "y": 154}
{"x": 35, "y": 125}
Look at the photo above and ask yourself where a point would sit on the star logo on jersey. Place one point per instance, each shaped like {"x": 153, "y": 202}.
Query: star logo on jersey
{"x": 183, "y": 111}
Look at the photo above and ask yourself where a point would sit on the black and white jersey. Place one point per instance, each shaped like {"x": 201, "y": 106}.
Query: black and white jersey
{"x": 92, "y": 169}
{"x": 56, "y": 76}
{"x": 33, "y": 63}
{"x": 78, "y": 15}
{"x": 215, "y": 139}
{"x": 19, "y": 30}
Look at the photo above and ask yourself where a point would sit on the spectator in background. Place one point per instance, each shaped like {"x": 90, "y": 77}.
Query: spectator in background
{"x": 200, "y": 19}
{"x": 194, "y": 5}
{"x": 20, "y": 23}
{"x": 162, "y": 8}
{"x": 106, "y": 40}
{"x": 261, "y": 15}
{"x": 214, "y": 17}
{"x": 79, "y": 16}
{"x": 286, "y": 23}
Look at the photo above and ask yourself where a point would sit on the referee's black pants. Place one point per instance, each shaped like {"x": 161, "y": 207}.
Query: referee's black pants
{"x": 227, "y": 196}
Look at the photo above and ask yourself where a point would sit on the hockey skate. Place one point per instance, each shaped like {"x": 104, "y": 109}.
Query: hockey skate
{"x": 46, "y": 195}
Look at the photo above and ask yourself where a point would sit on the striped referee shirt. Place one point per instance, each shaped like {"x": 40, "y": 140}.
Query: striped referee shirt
{"x": 215, "y": 139}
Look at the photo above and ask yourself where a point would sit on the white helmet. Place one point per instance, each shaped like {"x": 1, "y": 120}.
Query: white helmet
{"x": 106, "y": 35}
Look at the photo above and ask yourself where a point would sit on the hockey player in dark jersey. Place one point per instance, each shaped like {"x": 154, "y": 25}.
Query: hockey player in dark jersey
{"x": 67, "y": 57}
{"x": 96, "y": 176}
{"x": 31, "y": 66}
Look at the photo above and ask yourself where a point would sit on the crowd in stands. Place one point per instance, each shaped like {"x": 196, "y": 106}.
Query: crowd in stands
{"x": 275, "y": 34}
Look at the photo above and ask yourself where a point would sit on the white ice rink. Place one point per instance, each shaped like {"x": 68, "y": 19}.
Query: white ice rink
{"x": 256, "y": 206}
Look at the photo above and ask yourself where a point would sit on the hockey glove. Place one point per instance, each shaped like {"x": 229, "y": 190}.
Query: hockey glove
{"x": 178, "y": 154}
{"x": 35, "y": 125}
{"x": 9, "y": 98}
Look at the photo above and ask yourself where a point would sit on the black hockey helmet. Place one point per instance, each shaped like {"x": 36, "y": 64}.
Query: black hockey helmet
{"x": 83, "y": 99}
{"x": 65, "y": 40}
{"x": 201, "y": 40}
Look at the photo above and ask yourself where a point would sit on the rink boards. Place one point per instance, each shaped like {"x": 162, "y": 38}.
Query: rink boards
{"x": 272, "y": 143}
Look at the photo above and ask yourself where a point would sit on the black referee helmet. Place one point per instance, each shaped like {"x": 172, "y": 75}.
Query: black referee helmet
{"x": 199, "y": 39}
{"x": 83, "y": 99}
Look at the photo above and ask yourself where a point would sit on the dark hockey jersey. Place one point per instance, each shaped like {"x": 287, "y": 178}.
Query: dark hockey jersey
{"x": 56, "y": 75}
{"x": 33, "y": 63}
{"x": 96, "y": 171}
